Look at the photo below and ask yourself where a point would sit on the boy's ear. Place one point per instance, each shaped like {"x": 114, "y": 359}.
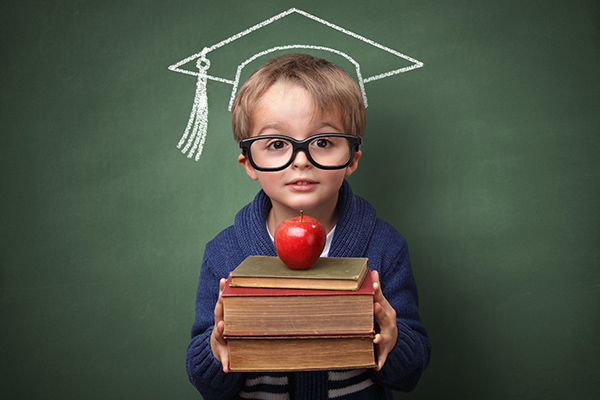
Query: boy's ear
{"x": 354, "y": 164}
{"x": 243, "y": 159}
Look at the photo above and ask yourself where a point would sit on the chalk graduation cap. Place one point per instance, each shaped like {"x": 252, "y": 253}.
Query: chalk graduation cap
{"x": 315, "y": 34}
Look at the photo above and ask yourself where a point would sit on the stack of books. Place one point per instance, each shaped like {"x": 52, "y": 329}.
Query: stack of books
{"x": 279, "y": 319}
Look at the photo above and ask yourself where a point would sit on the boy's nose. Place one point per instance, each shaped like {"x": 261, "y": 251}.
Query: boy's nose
{"x": 301, "y": 161}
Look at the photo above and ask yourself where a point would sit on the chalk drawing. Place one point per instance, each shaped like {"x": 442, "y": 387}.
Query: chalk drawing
{"x": 296, "y": 46}
{"x": 194, "y": 136}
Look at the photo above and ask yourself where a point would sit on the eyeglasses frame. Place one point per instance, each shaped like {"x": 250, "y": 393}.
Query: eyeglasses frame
{"x": 297, "y": 145}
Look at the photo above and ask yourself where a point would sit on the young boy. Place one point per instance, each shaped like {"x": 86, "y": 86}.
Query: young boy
{"x": 299, "y": 120}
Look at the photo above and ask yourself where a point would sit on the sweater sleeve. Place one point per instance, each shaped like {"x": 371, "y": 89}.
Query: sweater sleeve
{"x": 204, "y": 370}
{"x": 409, "y": 358}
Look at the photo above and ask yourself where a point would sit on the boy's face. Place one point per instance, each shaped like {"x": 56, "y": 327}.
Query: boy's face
{"x": 289, "y": 110}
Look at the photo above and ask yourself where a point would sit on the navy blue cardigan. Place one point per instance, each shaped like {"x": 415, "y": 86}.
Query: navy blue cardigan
{"x": 358, "y": 233}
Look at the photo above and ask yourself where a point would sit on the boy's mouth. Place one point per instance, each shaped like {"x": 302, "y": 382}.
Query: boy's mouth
{"x": 302, "y": 184}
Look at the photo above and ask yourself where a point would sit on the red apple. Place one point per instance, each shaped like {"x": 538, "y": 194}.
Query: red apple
{"x": 299, "y": 241}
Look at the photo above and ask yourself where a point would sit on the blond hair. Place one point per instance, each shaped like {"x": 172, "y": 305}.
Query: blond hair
{"x": 332, "y": 89}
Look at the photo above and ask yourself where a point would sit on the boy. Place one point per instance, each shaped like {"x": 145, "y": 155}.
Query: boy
{"x": 299, "y": 120}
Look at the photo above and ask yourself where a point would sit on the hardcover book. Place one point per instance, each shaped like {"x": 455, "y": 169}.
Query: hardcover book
{"x": 301, "y": 353}
{"x": 328, "y": 273}
{"x": 277, "y": 312}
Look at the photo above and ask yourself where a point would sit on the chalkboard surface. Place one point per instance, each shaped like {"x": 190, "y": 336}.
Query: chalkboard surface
{"x": 485, "y": 157}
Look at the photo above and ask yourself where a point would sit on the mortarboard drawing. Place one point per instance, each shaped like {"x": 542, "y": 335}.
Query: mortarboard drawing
{"x": 192, "y": 140}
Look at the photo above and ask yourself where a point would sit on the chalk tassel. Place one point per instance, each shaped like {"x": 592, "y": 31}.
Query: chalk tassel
{"x": 197, "y": 126}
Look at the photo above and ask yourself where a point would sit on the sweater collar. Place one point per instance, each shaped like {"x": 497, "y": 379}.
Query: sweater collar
{"x": 250, "y": 227}
{"x": 356, "y": 222}
{"x": 355, "y": 225}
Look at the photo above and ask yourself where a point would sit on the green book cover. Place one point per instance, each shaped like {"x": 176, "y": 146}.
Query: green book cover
{"x": 327, "y": 273}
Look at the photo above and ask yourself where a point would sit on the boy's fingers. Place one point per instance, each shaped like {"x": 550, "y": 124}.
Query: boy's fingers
{"x": 219, "y": 305}
{"x": 217, "y": 341}
{"x": 380, "y": 362}
{"x": 378, "y": 308}
{"x": 217, "y": 334}
{"x": 385, "y": 316}
{"x": 220, "y": 329}
{"x": 219, "y": 310}
{"x": 225, "y": 361}
{"x": 379, "y": 313}
{"x": 375, "y": 277}
{"x": 381, "y": 353}
{"x": 378, "y": 294}
{"x": 384, "y": 313}
{"x": 224, "y": 353}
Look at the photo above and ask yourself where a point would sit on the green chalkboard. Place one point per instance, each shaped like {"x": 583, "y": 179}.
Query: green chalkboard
{"x": 484, "y": 155}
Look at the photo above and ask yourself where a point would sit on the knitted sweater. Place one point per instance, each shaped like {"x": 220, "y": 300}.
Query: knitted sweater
{"x": 358, "y": 233}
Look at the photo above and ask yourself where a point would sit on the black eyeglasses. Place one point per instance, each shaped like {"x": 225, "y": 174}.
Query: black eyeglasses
{"x": 324, "y": 151}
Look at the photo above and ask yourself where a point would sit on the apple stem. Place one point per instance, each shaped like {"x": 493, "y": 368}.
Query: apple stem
{"x": 301, "y": 215}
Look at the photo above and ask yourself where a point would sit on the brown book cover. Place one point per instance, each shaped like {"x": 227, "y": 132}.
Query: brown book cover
{"x": 276, "y": 312}
{"x": 309, "y": 353}
{"x": 328, "y": 273}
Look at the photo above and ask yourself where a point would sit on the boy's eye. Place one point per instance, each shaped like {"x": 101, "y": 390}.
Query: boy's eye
{"x": 277, "y": 145}
{"x": 322, "y": 143}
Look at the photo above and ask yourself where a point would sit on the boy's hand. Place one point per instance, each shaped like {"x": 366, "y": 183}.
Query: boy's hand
{"x": 218, "y": 344}
{"x": 385, "y": 317}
